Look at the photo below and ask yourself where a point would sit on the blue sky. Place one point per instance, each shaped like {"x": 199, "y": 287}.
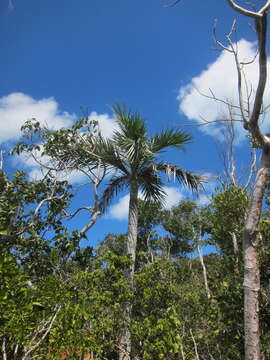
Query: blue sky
{"x": 60, "y": 56}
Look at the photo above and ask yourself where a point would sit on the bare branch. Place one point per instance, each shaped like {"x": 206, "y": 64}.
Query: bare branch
{"x": 90, "y": 223}
{"x": 43, "y": 202}
{"x": 261, "y": 26}
{"x": 195, "y": 345}
{"x": 42, "y": 329}
{"x": 239, "y": 76}
{"x": 231, "y": 160}
{"x": 4, "y": 352}
{"x": 209, "y": 122}
{"x": 213, "y": 97}
{"x": 264, "y": 8}
{"x": 87, "y": 208}
{"x": 244, "y": 11}
{"x": 252, "y": 169}
{"x": 172, "y": 4}
{"x": 219, "y": 43}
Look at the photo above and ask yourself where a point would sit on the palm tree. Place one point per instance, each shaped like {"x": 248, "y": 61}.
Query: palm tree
{"x": 133, "y": 156}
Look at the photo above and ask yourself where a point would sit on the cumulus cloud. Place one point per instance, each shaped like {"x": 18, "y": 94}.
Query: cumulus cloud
{"x": 220, "y": 77}
{"x": 210, "y": 185}
{"x": 174, "y": 195}
{"x": 35, "y": 172}
{"x": 107, "y": 125}
{"x": 119, "y": 211}
{"x": 16, "y": 108}
{"x": 73, "y": 177}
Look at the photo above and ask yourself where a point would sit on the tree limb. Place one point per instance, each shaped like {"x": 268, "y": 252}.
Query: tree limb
{"x": 244, "y": 11}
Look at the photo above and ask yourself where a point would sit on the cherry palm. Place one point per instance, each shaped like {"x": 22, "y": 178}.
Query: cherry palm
{"x": 134, "y": 156}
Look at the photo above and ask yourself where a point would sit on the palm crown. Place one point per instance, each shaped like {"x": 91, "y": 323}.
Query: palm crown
{"x": 133, "y": 155}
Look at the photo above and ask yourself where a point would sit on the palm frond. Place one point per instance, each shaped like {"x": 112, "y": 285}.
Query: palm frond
{"x": 116, "y": 185}
{"x": 186, "y": 178}
{"x": 151, "y": 185}
{"x": 107, "y": 151}
{"x": 169, "y": 138}
{"x": 131, "y": 125}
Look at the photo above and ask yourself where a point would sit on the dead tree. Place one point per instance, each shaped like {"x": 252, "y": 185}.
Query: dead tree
{"x": 250, "y": 116}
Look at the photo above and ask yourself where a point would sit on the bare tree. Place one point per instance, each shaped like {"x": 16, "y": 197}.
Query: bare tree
{"x": 250, "y": 116}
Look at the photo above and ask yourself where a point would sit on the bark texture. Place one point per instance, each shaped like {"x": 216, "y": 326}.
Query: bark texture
{"x": 251, "y": 262}
{"x": 125, "y": 336}
{"x": 250, "y": 236}
{"x": 132, "y": 227}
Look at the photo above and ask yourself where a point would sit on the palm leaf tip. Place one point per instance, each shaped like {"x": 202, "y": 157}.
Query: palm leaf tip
{"x": 151, "y": 185}
{"x": 170, "y": 138}
{"x": 192, "y": 181}
{"x": 131, "y": 124}
{"x": 116, "y": 185}
{"x": 188, "y": 179}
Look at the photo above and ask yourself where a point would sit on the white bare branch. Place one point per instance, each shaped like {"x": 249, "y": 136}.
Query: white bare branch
{"x": 45, "y": 329}
{"x": 264, "y": 8}
{"x": 252, "y": 171}
{"x": 4, "y": 352}
{"x": 244, "y": 11}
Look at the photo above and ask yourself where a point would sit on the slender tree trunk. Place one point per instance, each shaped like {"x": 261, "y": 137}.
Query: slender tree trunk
{"x": 251, "y": 262}
{"x": 236, "y": 253}
{"x": 204, "y": 271}
{"x": 125, "y": 336}
{"x": 4, "y": 354}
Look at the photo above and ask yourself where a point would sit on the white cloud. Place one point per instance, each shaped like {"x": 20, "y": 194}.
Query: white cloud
{"x": 73, "y": 177}
{"x": 16, "y": 108}
{"x": 36, "y": 172}
{"x": 119, "y": 211}
{"x": 107, "y": 125}
{"x": 210, "y": 184}
{"x": 173, "y": 196}
{"x": 221, "y": 78}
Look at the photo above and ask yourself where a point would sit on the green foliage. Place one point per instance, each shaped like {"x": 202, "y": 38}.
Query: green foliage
{"x": 90, "y": 317}
{"x": 27, "y": 213}
{"x": 56, "y": 297}
{"x": 228, "y": 209}
{"x": 187, "y": 225}
{"x": 155, "y": 324}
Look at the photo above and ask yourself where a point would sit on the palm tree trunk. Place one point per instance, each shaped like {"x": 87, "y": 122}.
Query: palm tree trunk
{"x": 251, "y": 262}
{"x": 125, "y": 336}
{"x": 132, "y": 227}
